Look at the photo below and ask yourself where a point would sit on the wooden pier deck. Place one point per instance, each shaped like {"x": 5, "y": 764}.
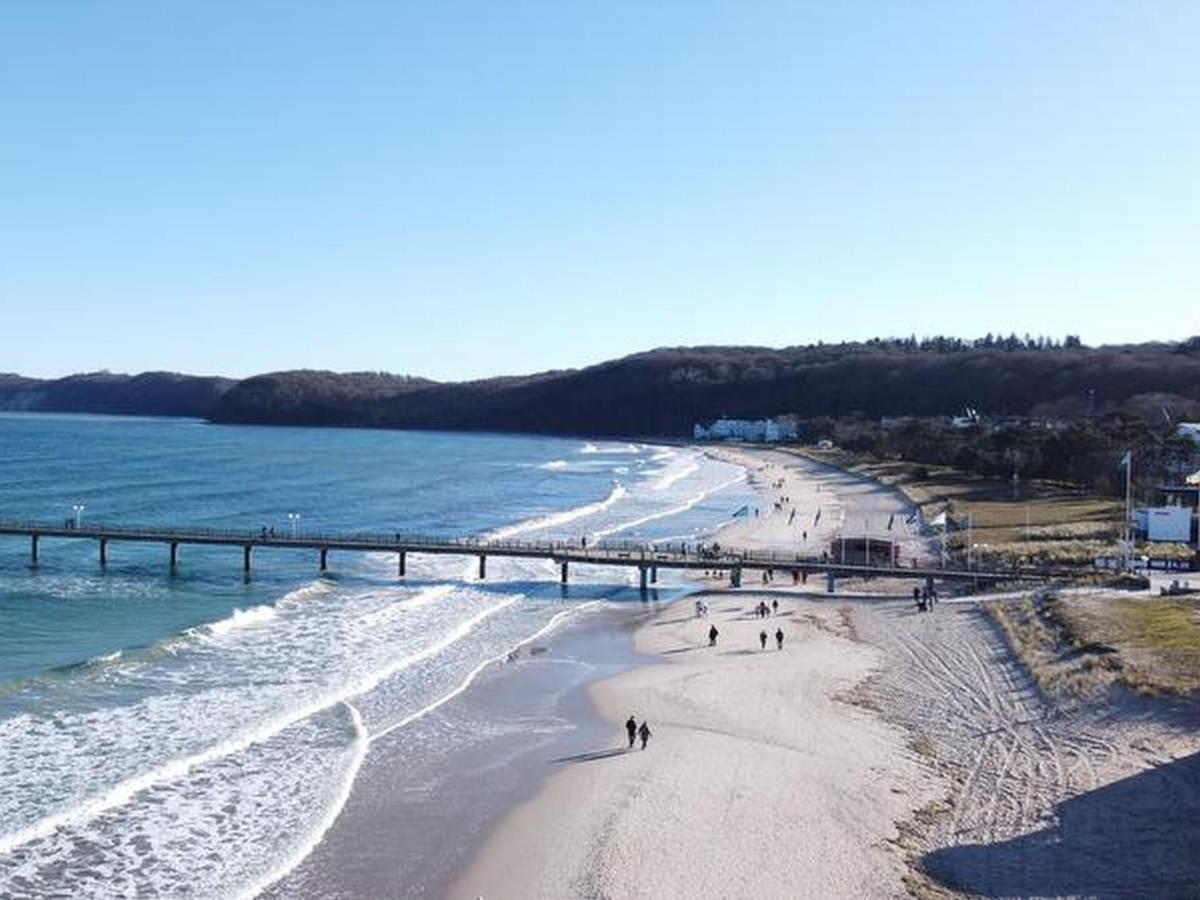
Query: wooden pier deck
{"x": 648, "y": 558}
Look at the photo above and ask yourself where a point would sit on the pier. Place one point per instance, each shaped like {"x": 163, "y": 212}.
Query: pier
{"x": 648, "y": 558}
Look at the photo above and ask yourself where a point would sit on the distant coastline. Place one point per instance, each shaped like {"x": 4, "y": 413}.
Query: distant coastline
{"x": 663, "y": 393}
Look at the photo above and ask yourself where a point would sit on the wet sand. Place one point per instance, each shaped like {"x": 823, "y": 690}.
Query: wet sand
{"x": 414, "y": 819}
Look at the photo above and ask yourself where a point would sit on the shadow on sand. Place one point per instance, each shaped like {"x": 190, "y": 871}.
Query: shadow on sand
{"x": 1137, "y": 837}
{"x": 591, "y": 756}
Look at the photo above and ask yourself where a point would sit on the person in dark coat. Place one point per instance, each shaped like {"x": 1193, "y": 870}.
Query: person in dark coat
{"x": 631, "y": 730}
{"x": 712, "y": 635}
{"x": 778, "y": 638}
{"x": 762, "y": 639}
{"x": 644, "y": 734}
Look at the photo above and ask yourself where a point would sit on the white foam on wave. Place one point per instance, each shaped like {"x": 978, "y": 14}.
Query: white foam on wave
{"x": 331, "y": 815}
{"x": 674, "y": 510}
{"x": 610, "y": 448}
{"x": 672, "y": 474}
{"x": 552, "y": 520}
{"x": 104, "y": 658}
{"x": 240, "y": 618}
{"x": 474, "y": 673}
{"x": 124, "y": 791}
{"x": 362, "y": 742}
{"x": 406, "y": 605}
{"x": 554, "y": 464}
{"x": 300, "y": 595}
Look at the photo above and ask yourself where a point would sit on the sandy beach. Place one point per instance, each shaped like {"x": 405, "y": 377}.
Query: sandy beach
{"x": 879, "y": 753}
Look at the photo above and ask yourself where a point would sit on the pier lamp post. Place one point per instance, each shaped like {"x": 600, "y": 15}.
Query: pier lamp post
{"x": 78, "y": 509}
{"x": 294, "y": 518}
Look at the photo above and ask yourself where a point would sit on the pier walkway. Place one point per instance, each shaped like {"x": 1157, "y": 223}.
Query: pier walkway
{"x": 647, "y": 558}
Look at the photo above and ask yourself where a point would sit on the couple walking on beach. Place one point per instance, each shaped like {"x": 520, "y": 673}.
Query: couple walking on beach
{"x": 762, "y": 639}
{"x": 635, "y": 731}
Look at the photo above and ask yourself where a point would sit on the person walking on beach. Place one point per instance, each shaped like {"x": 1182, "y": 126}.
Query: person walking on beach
{"x": 778, "y": 638}
{"x": 712, "y": 641}
{"x": 762, "y": 639}
{"x": 775, "y": 606}
{"x": 644, "y": 734}
{"x": 631, "y": 730}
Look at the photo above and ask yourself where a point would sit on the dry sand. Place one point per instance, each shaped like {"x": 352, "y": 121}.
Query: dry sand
{"x": 758, "y": 781}
{"x": 878, "y": 748}
{"x": 827, "y": 502}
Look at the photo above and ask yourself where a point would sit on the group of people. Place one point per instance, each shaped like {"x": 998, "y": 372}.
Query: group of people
{"x": 762, "y": 611}
{"x": 701, "y": 608}
{"x": 635, "y": 731}
{"x": 925, "y": 598}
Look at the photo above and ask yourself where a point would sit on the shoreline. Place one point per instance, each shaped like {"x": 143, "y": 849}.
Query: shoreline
{"x": 830, "y": 744}
{"x": 412, "y": 841}
{"x": 789, "y": 738}
{"x": 883, "y": 752}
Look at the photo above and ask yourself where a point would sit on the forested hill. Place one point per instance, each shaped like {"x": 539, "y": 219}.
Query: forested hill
{"x": 665, "y": 391}
{"x": 148, "y": 394}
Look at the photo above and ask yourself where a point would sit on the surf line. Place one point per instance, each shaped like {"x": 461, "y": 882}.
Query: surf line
{"x": 675, "y": 510}
{"x": 365, "y": 738}
{"x": 559, "y": 518}
{"x": 362, "y": 743}
{"x": 124, "y": 791}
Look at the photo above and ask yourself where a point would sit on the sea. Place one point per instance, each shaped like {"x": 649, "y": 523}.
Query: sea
{"x": 195, "y": 733}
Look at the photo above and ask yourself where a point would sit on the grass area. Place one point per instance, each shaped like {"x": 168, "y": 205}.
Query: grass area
{"x": 1077, "y": 645}
{"x": 1157, "y": 638}
{"x": 1035, "y": 522}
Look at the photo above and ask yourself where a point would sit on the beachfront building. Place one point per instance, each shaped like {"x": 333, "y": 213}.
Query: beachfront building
{"x": 752, "y": 430}
{"x": 1172, "y": 524}
{"x": 1189, "y": 430}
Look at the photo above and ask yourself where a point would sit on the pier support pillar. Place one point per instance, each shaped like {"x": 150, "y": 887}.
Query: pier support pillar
{"x": 482, "y": 567}
{"x": 642, "y": 578}
{"x": 654, "y": 574}
{"x": 401, "y": 564}
{"x": 103, "y": 552}
{"x": 324, "y": 559}
{"x": 564, "y": 571}
{"x": 246, "y": 559}
{"x": 174, "y": 556}
{"x": 33, "y": 548}
{"x": 735, "y": 577}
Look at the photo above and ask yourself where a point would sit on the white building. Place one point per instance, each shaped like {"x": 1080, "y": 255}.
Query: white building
{"x": 754, "y": 430}
{"x": 1190, "y": 430}
{"x": 1164, "y": 523}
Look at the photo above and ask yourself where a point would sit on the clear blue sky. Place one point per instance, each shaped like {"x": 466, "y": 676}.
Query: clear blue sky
{"x": 461, "y": 189}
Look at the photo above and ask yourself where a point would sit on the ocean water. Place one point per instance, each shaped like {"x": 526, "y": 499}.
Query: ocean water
{"x": 194, "y": 734}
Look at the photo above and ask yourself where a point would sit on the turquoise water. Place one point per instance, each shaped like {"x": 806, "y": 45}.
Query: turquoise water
{"x": 194, "y": 734}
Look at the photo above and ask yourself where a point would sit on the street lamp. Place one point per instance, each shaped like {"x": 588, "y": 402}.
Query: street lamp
{"x": 78, "y": 509}
{"x": 294, "y": 518}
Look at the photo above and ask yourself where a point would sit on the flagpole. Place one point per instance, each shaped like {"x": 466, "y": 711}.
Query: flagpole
{"x": 1128, "y": 507}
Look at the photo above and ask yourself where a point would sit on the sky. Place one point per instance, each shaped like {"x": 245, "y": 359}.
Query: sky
{"x": 459, "y": 189}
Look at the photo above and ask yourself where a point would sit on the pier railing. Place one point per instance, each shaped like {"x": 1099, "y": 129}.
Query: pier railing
{"x": 650, "y": 555}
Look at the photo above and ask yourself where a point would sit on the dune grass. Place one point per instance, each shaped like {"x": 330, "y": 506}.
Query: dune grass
{"x": 1157, "y": 638}
{"x": 1077, "y": 645}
